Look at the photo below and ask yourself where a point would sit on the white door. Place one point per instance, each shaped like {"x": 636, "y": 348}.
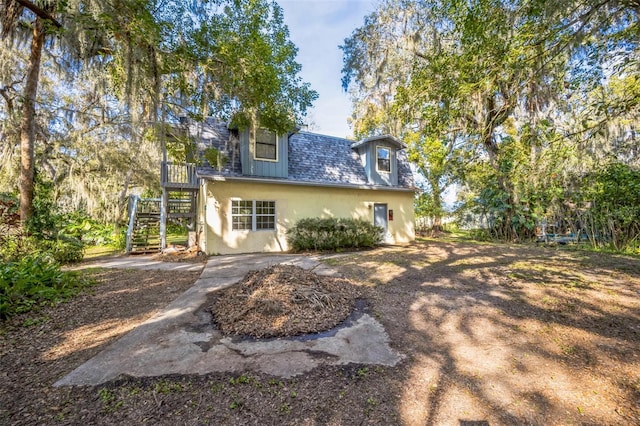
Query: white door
{"x": 381, "y": 218}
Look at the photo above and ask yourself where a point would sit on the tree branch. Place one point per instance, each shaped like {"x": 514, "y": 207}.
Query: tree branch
{"x": 40, "y": 12}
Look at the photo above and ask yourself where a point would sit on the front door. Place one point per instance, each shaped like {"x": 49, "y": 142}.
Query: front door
{"x": 380, "y": 217}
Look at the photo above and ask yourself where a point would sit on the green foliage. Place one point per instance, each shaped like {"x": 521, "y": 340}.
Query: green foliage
{"x": 333, "y": 234}
{"x": 64, "y": 251}
{"x": 79, "y": 226}
{"x": 180, "y": 146}
{"x": 611, "y": 214}
{"x": 34, "y": 279}
{"x": 511, "y": 102}
{"x": 215, "y": 158}
{"x": 42, "y": 223}
{"x": 479, "y": 234}
{"x": 116, "y": 70}
{"x": 30, "y": 271}
{"x": 244, "y": 65}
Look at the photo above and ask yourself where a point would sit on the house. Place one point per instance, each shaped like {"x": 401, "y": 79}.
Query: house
{"x": 264, "y": 183}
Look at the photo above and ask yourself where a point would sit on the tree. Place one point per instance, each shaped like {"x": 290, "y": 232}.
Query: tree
{"x": 496, "y": 81}
{"x": 115, "y": 71}
{"x": 378, "y": 62}
{"x": 12, "y": 11}
{"x": 239, "y": 64}
{"x": 81, "y": 40}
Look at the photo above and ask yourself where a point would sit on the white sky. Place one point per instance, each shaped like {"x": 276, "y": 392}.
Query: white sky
{"x": 318, "y": 27}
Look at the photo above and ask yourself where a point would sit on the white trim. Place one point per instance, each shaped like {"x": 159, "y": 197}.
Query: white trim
{"x": 255, "y": 140}
{"x": 254, "y": 215}
{"x": 388, "y": 149}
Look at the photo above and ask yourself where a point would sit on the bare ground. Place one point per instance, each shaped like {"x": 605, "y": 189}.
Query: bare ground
{"x": 492, "y": 334}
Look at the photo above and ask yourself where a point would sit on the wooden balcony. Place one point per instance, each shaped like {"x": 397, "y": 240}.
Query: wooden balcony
{"x": 178, "y": 176}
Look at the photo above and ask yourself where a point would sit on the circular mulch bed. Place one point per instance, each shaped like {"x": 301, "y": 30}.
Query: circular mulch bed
{"x": 283, "y": 300}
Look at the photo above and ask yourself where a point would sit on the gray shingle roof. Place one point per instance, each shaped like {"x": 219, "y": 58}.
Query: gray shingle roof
{"x": 319, "y": 158}
{"x": 215, "y": 134}
{"x": 313, "y": 158}
{"x": 405, "y": 175}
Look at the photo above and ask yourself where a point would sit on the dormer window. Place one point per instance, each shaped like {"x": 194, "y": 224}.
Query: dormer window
{"x": 383, "y": 159}
{"x": 266, "y": 145}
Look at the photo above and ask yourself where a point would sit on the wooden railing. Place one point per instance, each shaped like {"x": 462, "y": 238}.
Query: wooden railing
{"x": 133, "y": 208}
{"x": 149, "y": 206}
{"x": 176, "y": 207}
{"x": 180, "y": 175}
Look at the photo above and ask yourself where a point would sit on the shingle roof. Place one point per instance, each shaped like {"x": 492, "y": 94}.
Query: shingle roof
{"x": 313, "y": 158}
{"x": 319, "y": 158}
{"x": 405, "y": 175}
{"x": 215, "y": 134}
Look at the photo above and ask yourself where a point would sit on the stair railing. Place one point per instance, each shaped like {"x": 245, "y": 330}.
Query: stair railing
{"x": 133, "y": 208}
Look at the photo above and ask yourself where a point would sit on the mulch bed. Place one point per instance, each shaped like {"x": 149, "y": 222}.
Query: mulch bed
{"x": 283, "y": 300}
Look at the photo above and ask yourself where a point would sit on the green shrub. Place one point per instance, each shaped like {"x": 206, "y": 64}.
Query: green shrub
{"x": 81, "y": 226}
{"x": 45, "y": 217}
{"x": 64, "y": 251}
{"x": 480, "y": 234}
{"x": 30, "y": 271}
{"x": 612, "y": 218}
{"x": 333, "y": 234}
{"x": 34, "y": 279}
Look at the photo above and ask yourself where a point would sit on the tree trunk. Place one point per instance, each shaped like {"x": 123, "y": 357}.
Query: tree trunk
{"x": 436, "y": 197}
{"x": 28, "y": 125}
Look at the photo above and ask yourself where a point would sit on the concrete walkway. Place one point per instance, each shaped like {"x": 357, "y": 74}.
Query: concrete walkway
{"x": 140, "y": 261}
{"x": 182, "y": 340}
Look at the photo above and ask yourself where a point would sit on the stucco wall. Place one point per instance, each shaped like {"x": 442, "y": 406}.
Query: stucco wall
{"x": 293, "y": 203}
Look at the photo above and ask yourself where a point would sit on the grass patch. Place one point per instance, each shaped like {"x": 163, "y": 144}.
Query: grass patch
{"x": 93, "y": 252}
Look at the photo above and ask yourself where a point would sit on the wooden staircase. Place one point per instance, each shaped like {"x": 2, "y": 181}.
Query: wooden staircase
{"x": 148, "y": 216}
{"x": 143, "y": 234}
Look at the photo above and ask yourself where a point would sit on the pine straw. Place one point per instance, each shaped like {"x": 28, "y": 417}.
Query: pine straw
{"x": 283, "y": 300}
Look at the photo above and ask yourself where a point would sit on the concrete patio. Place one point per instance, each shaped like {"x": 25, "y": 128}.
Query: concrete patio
{"x": 182, "y": 339}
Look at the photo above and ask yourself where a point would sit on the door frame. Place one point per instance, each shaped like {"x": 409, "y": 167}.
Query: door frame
{"x": 376, "y": 206}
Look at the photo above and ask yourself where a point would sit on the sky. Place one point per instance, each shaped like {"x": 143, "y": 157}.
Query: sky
{"x": 318, "y": 27}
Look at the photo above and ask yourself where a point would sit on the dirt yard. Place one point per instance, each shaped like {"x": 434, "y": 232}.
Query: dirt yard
{"x": 492, "y": 334}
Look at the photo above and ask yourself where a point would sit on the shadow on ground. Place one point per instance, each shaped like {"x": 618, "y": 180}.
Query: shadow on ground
{"x": 509, "y": 335}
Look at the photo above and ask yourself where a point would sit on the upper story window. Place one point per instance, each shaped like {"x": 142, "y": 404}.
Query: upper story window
{"x": 383, "y": 156}
{"x": 266, "y": 145}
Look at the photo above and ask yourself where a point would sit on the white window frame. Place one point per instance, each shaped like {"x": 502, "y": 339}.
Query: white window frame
{"x": 378, "y": 147}
{"x": 254, "y": 215}
{"x": 255, "y": 142}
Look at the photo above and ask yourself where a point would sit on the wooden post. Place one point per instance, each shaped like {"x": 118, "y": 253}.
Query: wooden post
{"x": 163, "y": 218}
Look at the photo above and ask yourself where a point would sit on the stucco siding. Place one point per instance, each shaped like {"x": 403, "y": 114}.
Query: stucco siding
{"x": 293, "y": 202}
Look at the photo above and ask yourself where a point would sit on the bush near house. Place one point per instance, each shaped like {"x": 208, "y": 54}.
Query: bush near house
{"x": 333, "y": 234}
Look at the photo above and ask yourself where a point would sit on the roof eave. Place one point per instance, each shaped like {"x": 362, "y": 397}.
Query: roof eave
{"x": 388, "y": 138}
{"x": 222, "y": 178}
